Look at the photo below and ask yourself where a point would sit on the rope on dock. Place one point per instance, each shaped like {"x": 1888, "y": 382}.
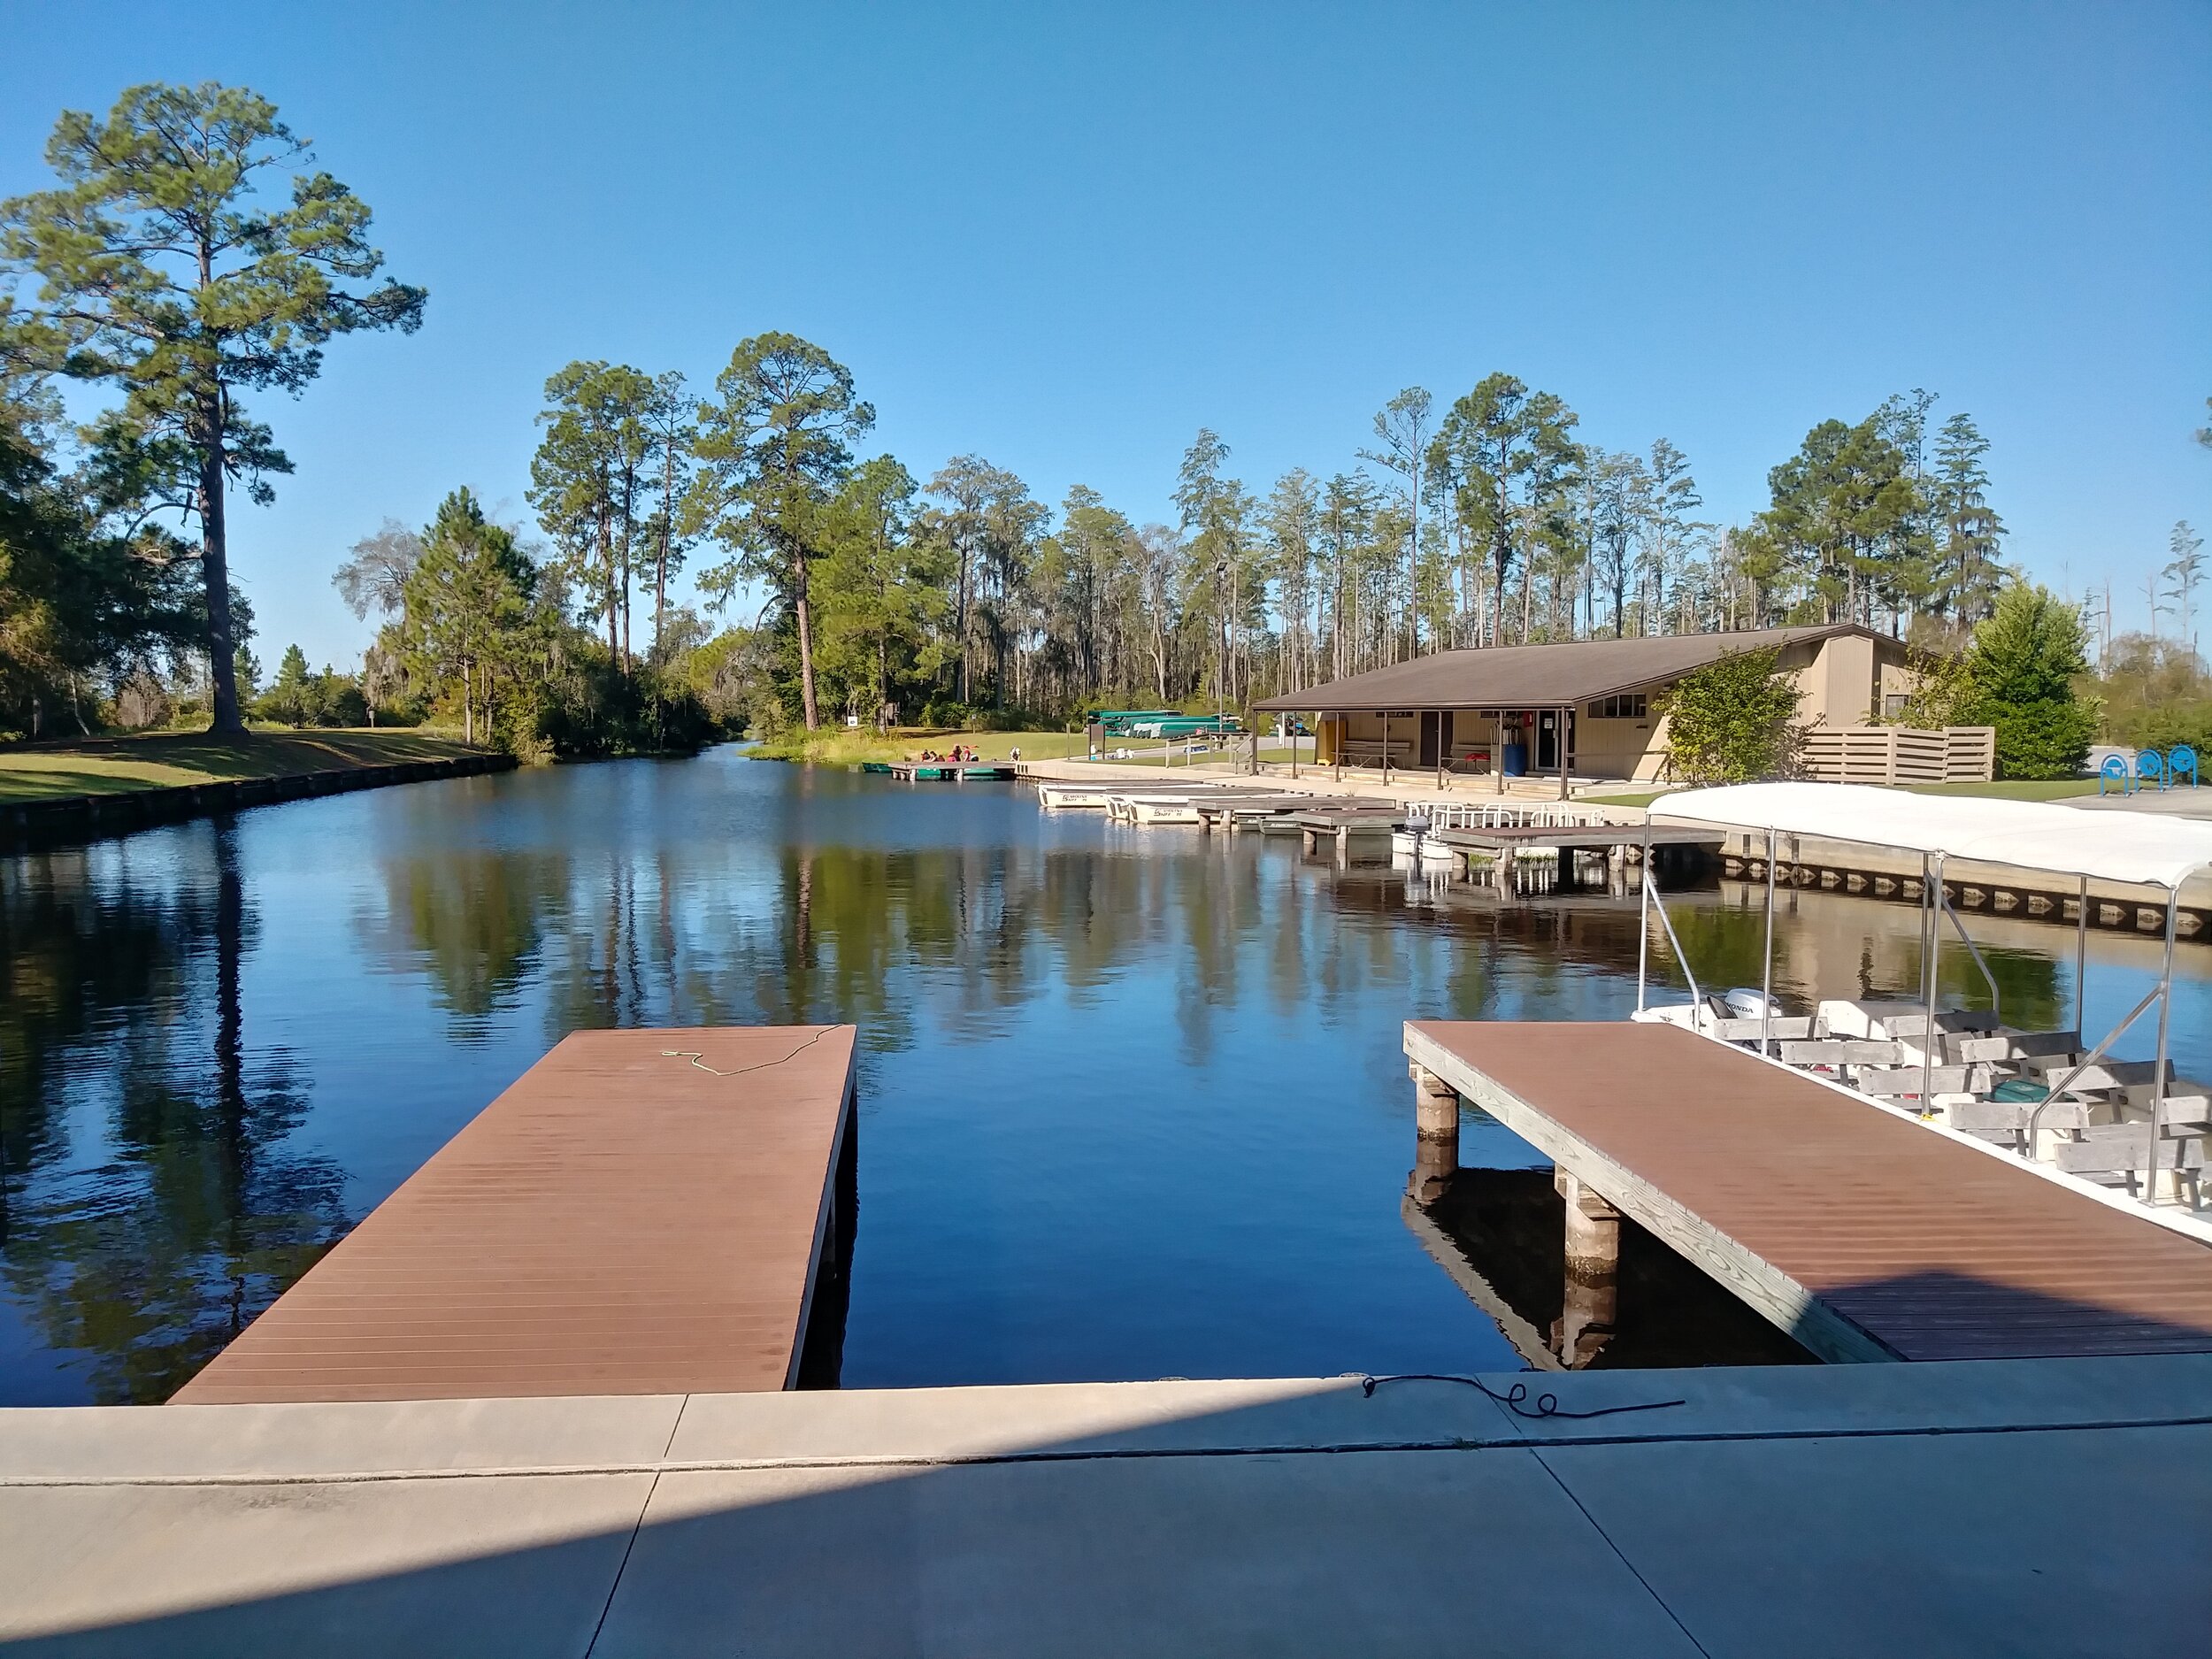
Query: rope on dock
{"x": 1514, "y": 1398}
{"x": 699, "y": 1062}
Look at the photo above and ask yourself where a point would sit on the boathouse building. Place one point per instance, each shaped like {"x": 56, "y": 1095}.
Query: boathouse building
{"x": 1589, "y": 708}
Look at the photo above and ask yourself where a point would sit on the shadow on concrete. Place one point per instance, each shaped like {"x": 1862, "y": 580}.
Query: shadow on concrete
{"x": 1221, "y": 1539}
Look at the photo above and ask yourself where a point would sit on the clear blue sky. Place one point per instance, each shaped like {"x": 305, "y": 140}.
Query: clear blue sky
{"x": 1066, "y": 238}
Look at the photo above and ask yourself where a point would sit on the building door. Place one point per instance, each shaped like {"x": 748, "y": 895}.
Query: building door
{"x": 1547, "y": 738}
{"x": 1431, "y": 735}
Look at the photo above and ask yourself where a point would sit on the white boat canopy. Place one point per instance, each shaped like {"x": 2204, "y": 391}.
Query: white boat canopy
{"x": 2142, "y": 848}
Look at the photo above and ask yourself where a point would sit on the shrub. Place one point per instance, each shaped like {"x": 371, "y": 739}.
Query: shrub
{"x": 1734, "y": 720}
{"x": 2040, "y": 739}
{"x": 592, "y": 710}
{"x": 2020, "y": 672}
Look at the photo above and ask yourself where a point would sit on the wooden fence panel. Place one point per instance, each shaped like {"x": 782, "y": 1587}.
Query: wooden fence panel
{"x": 1901, "y": 754}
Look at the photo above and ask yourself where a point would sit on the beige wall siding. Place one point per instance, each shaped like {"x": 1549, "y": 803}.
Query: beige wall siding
{"x": 1843, "y": 679}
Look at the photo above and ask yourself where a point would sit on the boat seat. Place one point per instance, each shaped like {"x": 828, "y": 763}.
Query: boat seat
{"x": 2105, "y": 1074}
{"x": 2186, "y": 1102}
{"x": 1781, "y": 1027}
{"x": 1977, "y": 1116}
{"x": 1958, "y": 1021}
{"x": 1842, "y": 1051}
{"x": 1898, "y": 1082}
{"x": 2118, "y": 1149}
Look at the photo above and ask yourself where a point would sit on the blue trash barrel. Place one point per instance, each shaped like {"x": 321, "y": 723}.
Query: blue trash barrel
{"x": 1516, "y": 760}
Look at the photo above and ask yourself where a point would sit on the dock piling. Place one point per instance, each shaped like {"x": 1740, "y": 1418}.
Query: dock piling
{"x": 1436, "y": 1135}
{"x": 1592, "y": 1302}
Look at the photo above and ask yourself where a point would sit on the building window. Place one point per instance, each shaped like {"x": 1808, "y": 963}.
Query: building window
{"x": 1628, "y": 706}
{"x": 1893, "y": 706}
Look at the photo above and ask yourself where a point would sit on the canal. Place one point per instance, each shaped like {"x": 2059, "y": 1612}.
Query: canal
{"x": 1133, "y": 1100}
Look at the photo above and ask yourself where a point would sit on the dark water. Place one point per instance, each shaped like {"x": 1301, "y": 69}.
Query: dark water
{"x": 1133, "y": 1102}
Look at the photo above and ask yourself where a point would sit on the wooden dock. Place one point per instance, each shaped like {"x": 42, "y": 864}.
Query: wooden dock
{"x": 644, "y": 1212}
{"x": 1669, "y": 845}
{"x": 1865, "y": 1235}
{"x": 1340, "y": 823}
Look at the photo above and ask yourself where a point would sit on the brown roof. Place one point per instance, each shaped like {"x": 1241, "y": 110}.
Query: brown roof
{"x": 1540, "y": 676}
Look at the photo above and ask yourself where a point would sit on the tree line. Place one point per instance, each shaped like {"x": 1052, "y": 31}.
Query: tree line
{"x": 1487, "y": 523}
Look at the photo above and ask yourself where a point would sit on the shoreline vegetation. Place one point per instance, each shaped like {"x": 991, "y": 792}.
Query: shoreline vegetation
{"x": 844, "y": 747}
{"x": 102, "y": 767}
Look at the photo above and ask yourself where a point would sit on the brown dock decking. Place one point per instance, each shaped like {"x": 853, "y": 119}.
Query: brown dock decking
{"x": 1865, "y": 1235}
{"x": 643, "y": 1212}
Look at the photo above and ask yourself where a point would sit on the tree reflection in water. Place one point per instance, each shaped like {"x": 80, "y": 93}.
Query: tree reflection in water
{"x": 177, "y": 1214}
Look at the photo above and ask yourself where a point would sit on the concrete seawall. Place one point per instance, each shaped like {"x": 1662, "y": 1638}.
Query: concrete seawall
{"x": 89, "y": 818}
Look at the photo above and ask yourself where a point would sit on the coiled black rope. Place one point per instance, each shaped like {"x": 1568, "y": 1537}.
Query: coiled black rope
{"x": 1516, "y": 1398}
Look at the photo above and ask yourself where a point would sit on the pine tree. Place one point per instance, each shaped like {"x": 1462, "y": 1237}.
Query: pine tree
{"x": 161, "y": 275}
{"x": 1969, "y": 530}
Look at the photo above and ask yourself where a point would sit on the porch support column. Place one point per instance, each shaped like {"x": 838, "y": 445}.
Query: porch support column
{"x": 1562, "y": 754}
{"x": 1592, "y": 1286}
{"x": 1436, "y": 1135}
{"x": 1497, "y": 754}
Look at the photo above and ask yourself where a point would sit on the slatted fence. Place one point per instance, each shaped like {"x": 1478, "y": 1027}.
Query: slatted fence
{"x": 1901, "y": 754}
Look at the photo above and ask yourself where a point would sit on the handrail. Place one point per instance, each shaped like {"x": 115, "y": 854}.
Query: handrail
{"x": 1697, "y": 997}
{"x": 2066, "y": 1083}
{"x": 1959, "y": 927}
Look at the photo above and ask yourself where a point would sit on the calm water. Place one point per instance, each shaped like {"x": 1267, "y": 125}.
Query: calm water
{"x": 1132, "y": 1101}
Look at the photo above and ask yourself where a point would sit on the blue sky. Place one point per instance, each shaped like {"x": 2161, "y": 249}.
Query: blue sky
{"x": 1066, "y": 238}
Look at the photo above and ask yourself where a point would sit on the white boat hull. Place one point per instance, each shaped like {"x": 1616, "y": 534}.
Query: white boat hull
{"x": 1406, "y": 844}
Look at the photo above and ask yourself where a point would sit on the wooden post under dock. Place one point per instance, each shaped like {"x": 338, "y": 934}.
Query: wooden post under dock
{"x": 1864, "y": 1234}
{"x": 643, "y": 1212}
{"x": 1436, "y": 1135}
{"x": 1593, "y": 1267}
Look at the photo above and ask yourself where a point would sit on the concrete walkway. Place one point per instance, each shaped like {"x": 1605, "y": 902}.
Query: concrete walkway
{"x": 2017, "y": 1508}
{"x": 2181, "y": 802}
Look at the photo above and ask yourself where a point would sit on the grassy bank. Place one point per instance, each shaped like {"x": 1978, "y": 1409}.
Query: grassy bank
{"x": 121, "y": 765}
{"x": 842, "y": 746}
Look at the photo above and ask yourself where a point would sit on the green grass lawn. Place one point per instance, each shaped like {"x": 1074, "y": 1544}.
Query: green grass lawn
{"x": 2013, "y": 789}
{"x": 121, "y": 765}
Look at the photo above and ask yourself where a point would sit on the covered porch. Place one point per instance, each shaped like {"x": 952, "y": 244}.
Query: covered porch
{"x": 1502, "y": 747}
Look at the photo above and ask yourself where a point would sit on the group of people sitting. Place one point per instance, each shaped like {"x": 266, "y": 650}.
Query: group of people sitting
{"x": 960, "y": 752}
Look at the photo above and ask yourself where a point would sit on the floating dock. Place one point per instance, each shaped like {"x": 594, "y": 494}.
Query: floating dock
{"x": 1863, "y": 1234}
{"x": 644, "y": 1212}
{"x": 944, "y": 770}
{"x": 1341, "y": 823}
{"x": 1501, "y": 844}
